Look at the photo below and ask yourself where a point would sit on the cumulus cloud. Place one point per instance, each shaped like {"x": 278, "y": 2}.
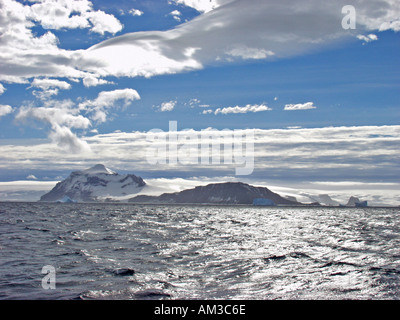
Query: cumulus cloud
{"x": 2, "y": 89}
{"x": 92, "y": 81}
{"x": 108, "y": 99}
{"x": 246, "y": 109}
{"x": 103, "y": 22}
{"x": 61, "y": 116}
{"x": 46, "y": 84}
{"x": 66, "y": 139}
{"x": 300, "y": 106}
{"x": 25, "y": 55}
{"x": 56, "y": 112}
{"x": 5, "y": 109}
{"x": 58, "y": 14}
{"x": 49, "y": 87}
{"x": 176, "y": 15}
{"x": 135, "y": 12}
{"x": 167, "y": 106}
{"x": 368, "y": 38}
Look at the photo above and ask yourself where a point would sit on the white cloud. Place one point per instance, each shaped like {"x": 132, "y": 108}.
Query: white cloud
{"x": 167, "y": 106}
{"x": 386, "y": 15}
{"x": 108, "y": 99}
{"x": 228, "y": 31}
{"x": 66, "y": 139}
{"x": 46, "y": 84}
{"x": 176, "y": 15}
{"x": 65, "y": 115}
{"x": 246, "y": 109}
{"x": 201, "y": 5}
{"x": 390, "y": 25}
{"x": 193, "y": 102}
{"x": 135, "y": 12}
{"x": 61, "y": 116}
{"x": 103, "y": 22}
{"x": 2, "y": 89}
{"x": 238, "y": 30}
{"x": 368, "y": 38}
{"x": 49, "y": 87}
{"x": 300, "y": 106}
{"x": 24, "y": 55}
{"x": 92, "y": 81}
{"x": 5, "y": 109}
{"x": 59, "y": 14}
{"x": 55, "y": 113}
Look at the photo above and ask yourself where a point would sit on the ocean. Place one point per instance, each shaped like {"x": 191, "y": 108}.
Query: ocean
{"x": 125, "y": 251}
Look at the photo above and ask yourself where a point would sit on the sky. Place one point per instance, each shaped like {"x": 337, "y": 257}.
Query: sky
{"x": 315, "y": 83}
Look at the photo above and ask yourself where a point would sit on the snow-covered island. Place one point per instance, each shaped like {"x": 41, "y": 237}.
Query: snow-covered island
{"x": 94, "y": 184}
{"x": 101, "y": 184}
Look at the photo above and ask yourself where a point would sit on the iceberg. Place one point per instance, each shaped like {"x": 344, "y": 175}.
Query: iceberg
{"x": 355, "y": 202}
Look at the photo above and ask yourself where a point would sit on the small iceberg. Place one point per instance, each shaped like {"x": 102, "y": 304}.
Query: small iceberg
{"x": 66, "y": 199}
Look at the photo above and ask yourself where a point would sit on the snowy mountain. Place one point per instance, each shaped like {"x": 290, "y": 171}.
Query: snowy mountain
{"x": 217, "y": 193}
{"x": 94, "y": 184}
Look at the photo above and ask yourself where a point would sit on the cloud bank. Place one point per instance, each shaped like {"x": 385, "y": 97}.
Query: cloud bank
{"x": 367, "y": 154}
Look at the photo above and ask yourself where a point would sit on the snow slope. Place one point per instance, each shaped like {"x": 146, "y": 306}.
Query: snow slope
{"x": 95, "y": 184}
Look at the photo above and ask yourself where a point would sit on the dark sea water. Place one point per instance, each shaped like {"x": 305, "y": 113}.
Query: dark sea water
{"x": 118, "y": 251}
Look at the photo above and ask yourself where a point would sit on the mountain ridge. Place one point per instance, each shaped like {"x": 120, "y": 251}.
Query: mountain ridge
{"x": 217, "y": 193}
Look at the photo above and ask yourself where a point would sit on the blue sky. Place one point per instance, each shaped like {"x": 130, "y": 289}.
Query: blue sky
{"x": 73, "y": 73}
